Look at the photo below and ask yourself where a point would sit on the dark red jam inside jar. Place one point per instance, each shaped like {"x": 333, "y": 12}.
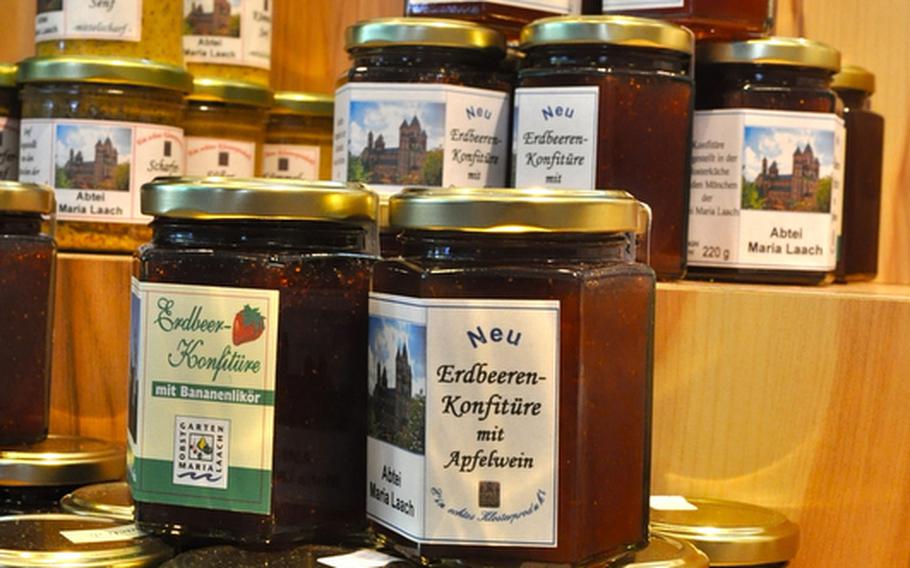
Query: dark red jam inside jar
{"x": 862, "y": 176}
{"x": 27, "y": 260}
{"x": 257, "y": 314}
{"x": 507, "y": 17}
{"x": 511, "y": 311}
{"x": 627, "y": 124}
{"x": 709, "y": 19}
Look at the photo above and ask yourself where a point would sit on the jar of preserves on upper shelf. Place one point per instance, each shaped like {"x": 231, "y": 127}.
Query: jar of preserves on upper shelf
{"x": 507, "y": 16}
{"x": 9, "y": 123}
{"x": 767, "y": 162}
{"x": 606, "y": 101}
{"x": 95, "y": 129}
{"x": 709, "y": 19}
{"x": 510, "y": 377}
{"x": 147, "y": 29}
{"x": 862, "y": 175}
{"x": 229, "y": 39}
{"x": 225, "y": 128}
{"x": 247, "y": 410}
{"x": 299, "y": 137}
{"x": 424, "y": 103}
{"x": 27, "y": 265}
{"x": 731, "y": 534}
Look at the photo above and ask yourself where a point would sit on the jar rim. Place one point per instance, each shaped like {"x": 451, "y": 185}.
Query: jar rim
{"x": 665, "y": 552}
{"x": 783, "y": 51}
{"x": 111, "y": 500}
{"x": 61, "y": 461}
{"x": 309, "y": 104}
{"x": 8, "y": 73}
{"x": 626, "y": 31}
{"x": 208, "y": 89}
{"x": 17, "y": 197}
{"x": 856, "y": 78}
{"x": 105, "y": 70}
{"x": 430, "y": 32}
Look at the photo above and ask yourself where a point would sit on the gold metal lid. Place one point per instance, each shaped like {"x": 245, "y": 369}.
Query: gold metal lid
{"x": 107, "y": 70}
{"x": 663, "y": 552}
{"x": 613, "y": 30}
{"x": 287, "y": 102}
{"x": 207, "y": 89}
{"x": 272, "y": 199}
{"x": 856, "y": 78}
{"x": 306, "y": 556}
{"x": 61, "y": 461}
{"x": 435, "y": 32}
{"x": 534, "y": 210}
{"x": 8, "y": 73}
{"x": 26, "y": 198}
{"x": 47, "y": 540}
{"x": 731, "y": 534}
{"x": 785, "y": 51}
{"x": 106, "y": 500}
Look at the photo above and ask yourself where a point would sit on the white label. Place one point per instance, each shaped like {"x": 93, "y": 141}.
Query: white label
{"x": 294, "y": 161}
{"x": 616, "y": 5}
{"x": 202, "y": 395}
{"x": 219, "y": 157}
{"x": 555, "y": 143}
{"x": 360, "y": 559}
{"x": 463, "y": 439}
{"x": 555, "y": 6}
{"x": 767, "y": 189}
{"x": 231, "y": 32}
{"x": 92, "y": 536}
{"x": 391, "y": 135}
{"x": 97, "y": 167}
{"x": 671, "y": 503}
{"x": 109, "y": 20}
{"x": 9, "y": 149}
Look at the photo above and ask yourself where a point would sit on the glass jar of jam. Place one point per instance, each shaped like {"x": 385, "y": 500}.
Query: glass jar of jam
{"x": 36, "y": 476}
{"x": 95, "y": 129}
{"x": 510, "y": 376}
{"x": 508, "y": 16}
{"x": 599, "y": 99}
{"x": 731, "y": 534}
{"x": 709, "y": 19}
{"x": 424, "y": 103}
{"x": 862, "y": 176}
{"x": 9, "y": 123}
{"x": 228, "y": 39}
{"x": 663, "y": 552}
{"x": 54, "y": 539}
{"x": 27, "y": 263}
{"x": 105, "y": 500}
{"x": 247, "y": 412}
{"x": 147, "y": 29}
{"x": 298, "y": 141}
{"x": 225, "y": 128}
{"x": 767, "y": 162}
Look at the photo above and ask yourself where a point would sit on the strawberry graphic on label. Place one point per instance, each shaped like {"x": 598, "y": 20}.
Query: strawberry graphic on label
{"x": 248, "y": 325}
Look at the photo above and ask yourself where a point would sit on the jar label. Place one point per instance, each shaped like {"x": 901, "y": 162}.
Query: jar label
{"x": 555, "y": 6}
{"x": 108, "y": 20}
{"x": 229, "y": 32}
{"x": 462, "y": 445}
{"x": 767, "y": 189}
{"x": 290, "y": 161}
{"x": 617, "y": 5}
{"x": 9, "y": 149}
{"x": 555, "y": 142}
{"x": 392, "y": 135}
{"x": 97, "y": 167}
{"x": 220, "y": 157}
{"x": 202, "y": 396}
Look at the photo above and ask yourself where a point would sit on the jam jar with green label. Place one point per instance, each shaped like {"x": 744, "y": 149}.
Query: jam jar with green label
{"x": 510, "y": 358}
{"x": 247, "y": 413}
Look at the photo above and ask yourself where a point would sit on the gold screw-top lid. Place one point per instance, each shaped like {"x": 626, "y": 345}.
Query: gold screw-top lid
{"x": 731, "y": 534}
{"x": 65, "y": 540}
{"x": 105, "y": 500}
{"x": 18, "y": 197}
{"x": 207, "y": 89}
{"x": 613, "y": 30}
{"x": 270, "y": 199}
{"x": 534, "y": 210}
{"x": 306, "y": 556}
{"x": 784, "y": 51}
{"x": 106, "y": 70}
{"x": 856, "y": 78}
{"x": 434, "y": 32}
{"x": 311, "y": 104}
{"x": 61, "y": 461}
{"x": 8, "y": 75}
{"x": 663, "y": 552}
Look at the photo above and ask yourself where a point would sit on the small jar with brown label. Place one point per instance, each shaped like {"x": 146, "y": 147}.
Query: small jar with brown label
{"x": 9, "y": 123}
{"x": 298, "y": 141}
{"x": 507, "y": 16}
{"x": 225, "y": 128}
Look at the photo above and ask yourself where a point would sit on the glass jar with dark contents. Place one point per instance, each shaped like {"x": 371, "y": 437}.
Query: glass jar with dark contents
{"x": 767, "y": 162}
{"x": 862, "y": 174}
{"x": 709, "y": 19}
{"x": 299, "y": 137}
{"x": 508, "y": 17}
{"x": 9, "y": 123}
{"x": 443, "y": 97}
{"x": 27, "y": 261}
{"x": 606, "y": 101}
{"x": 510, "y": 377}
{"x": 247, "y": 412}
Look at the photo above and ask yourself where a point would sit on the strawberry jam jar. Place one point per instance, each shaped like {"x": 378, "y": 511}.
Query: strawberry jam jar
{"x": 510, "y": 378}
{"x": 247, "y": 412}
